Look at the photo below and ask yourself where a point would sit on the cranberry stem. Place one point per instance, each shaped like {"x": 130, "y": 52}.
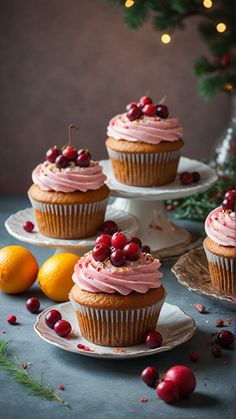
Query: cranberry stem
{"x": 162, "y": 100}
{"x": 69, "y": 132}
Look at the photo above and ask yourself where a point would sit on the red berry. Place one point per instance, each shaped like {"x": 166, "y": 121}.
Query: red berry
{"x": 169, "y": 207}
{"x": 132, "y": 251}
{"x": 196, "y": 177}
{"x": 32, "y": 304}
{"x": 153, "y": 339}
{"x": 109, "y": 227}
{"x": 61, "y": 162}
{"x": 194, "y": 356}
{"x": 219, "y": 323}
{"x": 216, "y": 351}
{"x": 145, "y": 100}
{"x": 146, "y": 249}
{"x": 229, "y": 201}
{"x": 119, "y": 240}
{"x": 61, "y": 387}
{"x": 101, "y": 252}
{"x": 149, "y": 110}
{"x": 11, "y": 319}
{"x": 184, "y": 379}
{"x": 136, "y": 240}
{"x": 134, "y": 113}
{"x": 226, "y": 60}
{"x": 28, "y": 226}
{"x": 130, "y": 105}
{"x": 24, "y": 366}
{"x": 52, "y": 317}
{"x": 83, "y": 158}
{"x": 70, "y": 153}
{"x": 117, "y": 257}
{"x": 186, "y": 178}
{"x": 162, "y": 111}
{"x": 225, "y": 338}
{"x": 52, "y": 154}
{"x": 230, "y": 194}
{"x": 103, "y": 239}
{"x": 168, "y": 391}
{"x": 150, "y": 376}
{"x": 62, "y": 328}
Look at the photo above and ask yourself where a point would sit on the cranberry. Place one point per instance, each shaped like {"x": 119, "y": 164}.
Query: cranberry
{"x": 61, "y": 162}
{"x": 169, "y": 207}
{"x": 11, "y": 319}
{"x": 146, "y": 249}
{"x": 137, "y": 241}
{"x": 62, "y": 328}
{"x": 153, "y": 339}
{"x": 101, "y": 252}
{"x": 162, "y": 111}
{"x": 219, "y": 323}
{"x": 216, "y": 351}
{"x": 84, "y": 158}
{"x": 70, "y": 153}
{"x": 130, "y": 105}
{"x": 225, "y": 338}
{"x": 134, "y": 113}
{"x": 118, "y": 257}
{"x": 229, "y": 201}
{"x": 119, "y": 240}
{"x": 28, "y": 226}
{"x": 109, "y": 227}
{"x": 145, "y": 100}
{"x": 103, "y": 239}
{"x": 150, "y": 376}
{"x": 194, "y": 356}
{"x": 230, "y": 194}
{"x": 168, "y": 391}
{"x": 52, "y": 154}
{"x": 32, "y": 304}
{"x": 61, "y": 387}
{"x": 186, "y": 178}
{"x": 52, "y": 317}
{"x": 149, "y": 110}
{"x": 132, "y": 251}
{"x": 183, "y": 377}
{"x": 196, "y": 177}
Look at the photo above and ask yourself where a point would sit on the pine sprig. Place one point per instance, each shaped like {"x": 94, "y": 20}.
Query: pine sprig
{"x": 22, "y": 376}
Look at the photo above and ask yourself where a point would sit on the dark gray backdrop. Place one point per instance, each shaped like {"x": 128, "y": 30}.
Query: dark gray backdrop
{"x": 75, "y": 61}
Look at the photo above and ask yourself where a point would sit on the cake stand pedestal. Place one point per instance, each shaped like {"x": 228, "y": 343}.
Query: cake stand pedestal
{"x": 158, "y": 231}
{"x": 14, "y": 225}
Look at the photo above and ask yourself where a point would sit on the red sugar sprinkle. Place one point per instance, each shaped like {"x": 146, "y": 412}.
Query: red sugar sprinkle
{"x": 85, "y": 348}
{"x": 143, "y": 399}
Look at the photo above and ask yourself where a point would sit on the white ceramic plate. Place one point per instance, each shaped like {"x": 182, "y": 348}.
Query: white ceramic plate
{"x": 173, "y": 190}
{"x": 175, "y": 326}
{"x": 128, "y": 223}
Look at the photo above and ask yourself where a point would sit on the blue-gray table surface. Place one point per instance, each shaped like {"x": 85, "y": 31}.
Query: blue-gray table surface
{"x": 97, "y": 388}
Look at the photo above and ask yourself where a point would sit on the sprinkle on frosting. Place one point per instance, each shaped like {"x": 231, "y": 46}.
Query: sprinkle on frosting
{"x": 151, "y": 130}
{"x": 140, "y": 276}
{"x": 220, "y": 227}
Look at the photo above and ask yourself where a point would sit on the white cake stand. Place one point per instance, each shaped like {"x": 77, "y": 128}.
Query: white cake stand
{"x": 14, "y": 225}
{"x": 146, "y": 204}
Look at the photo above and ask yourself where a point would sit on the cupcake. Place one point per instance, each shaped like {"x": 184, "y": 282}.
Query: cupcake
{"x": 68, "y": 195}
{"x": 117, "y": 296}
{"x": 220, "y": 245}
{"x": 144, "y": 144}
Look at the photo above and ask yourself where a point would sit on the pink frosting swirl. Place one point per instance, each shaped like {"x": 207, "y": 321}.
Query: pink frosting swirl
{"x": 72, "y": 178}
{"x": 151, "y": 130}
{"x": 139, "y": 276}
{"x": 220, "y": 227}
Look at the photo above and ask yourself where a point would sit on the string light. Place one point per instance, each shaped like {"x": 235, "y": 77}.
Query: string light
{"x": 207, "y": 3}
{"x": 165, "y": 38}
{"x": 221, "y": 27}
{"x": 129, "y": 3}
{"x": 229, "y": 87}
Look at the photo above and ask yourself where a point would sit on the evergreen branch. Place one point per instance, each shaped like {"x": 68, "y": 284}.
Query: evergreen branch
{"x": 22, "y": 376}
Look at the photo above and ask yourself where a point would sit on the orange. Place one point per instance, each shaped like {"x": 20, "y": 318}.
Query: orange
{"x": 18, "y": 269}
{"x": 55, "y": 276}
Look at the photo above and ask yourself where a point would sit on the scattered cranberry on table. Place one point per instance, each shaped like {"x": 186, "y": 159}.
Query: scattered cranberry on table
{"x": 109, "y": 227}
{"x": 219, "y": 323}
{"x": 61, "y": 387}
{"x": 62, "y": 328}
{"x": 28, "y": 226}
{"x": 225, "y": 338}
{"x": 11, "y": 319}
{"x": 32, "y": 305}
{"x": 168, "y": 391}
{"x": 194, "y": 356}
{"x": 183, "y": 377}
{"x": 153, "y": 339}
{"x": 52, "y": 317}
{"x": 150, "y": 376}
{"x": 216, "y": 351}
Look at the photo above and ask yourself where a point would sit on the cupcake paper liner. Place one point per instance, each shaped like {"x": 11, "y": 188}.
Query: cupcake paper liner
{"x": 117, "y": 327}
{"x": 222, "y": 272}
{"x": 69, "y": 221}
{"x": 144, "y": 169}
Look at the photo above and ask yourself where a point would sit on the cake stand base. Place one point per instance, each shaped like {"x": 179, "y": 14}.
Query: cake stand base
{"x": 156, "y": 229}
